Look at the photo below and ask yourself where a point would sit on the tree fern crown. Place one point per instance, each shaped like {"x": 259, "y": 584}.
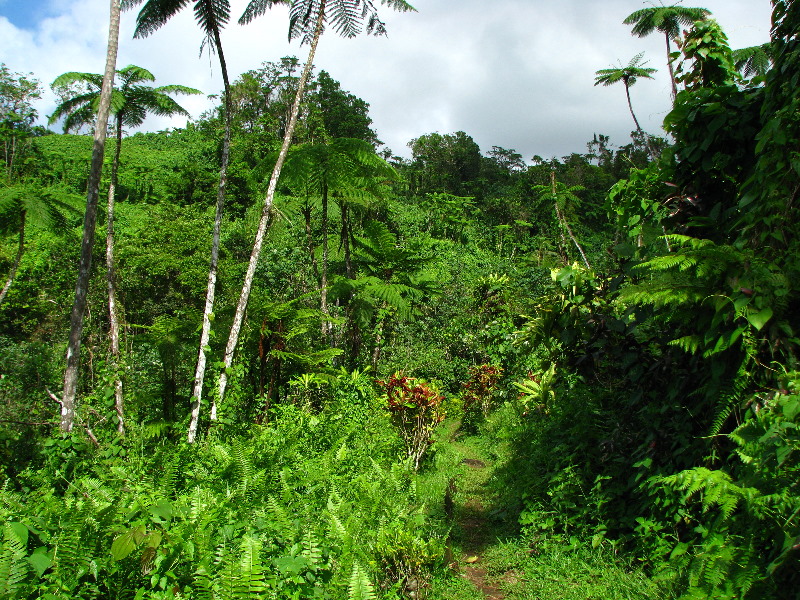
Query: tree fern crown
{"x": 347, "y": 17}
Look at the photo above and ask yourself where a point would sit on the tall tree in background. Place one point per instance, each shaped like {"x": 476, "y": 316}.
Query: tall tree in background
{"x": 628, "y": 75}
{"x": 17, "y": 93}
{"x": 89, "y": 224}
{"x": 307, "y": 20}
{"x": 212, "y": 16}
{"x": 565, "y": 201}
{"x": 668, "y": 20}
{"x": 131, "y": 101}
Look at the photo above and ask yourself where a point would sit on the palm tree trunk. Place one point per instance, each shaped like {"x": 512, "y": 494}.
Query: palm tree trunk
{"x": 572, "y": 236}
{"x": 233, "y": 338}
{"x": 376, "y": 350}
{"x": 671, "y": 70}
{"x": 306, "y": 210}
{"x": 89, "y": 225}
{"x": 17, "y": 258}
{"x": 348, "y": 260}
{"x": 205, "y": 333}
{"x": 646, "y": 138}
{"x": 113, "y": 316}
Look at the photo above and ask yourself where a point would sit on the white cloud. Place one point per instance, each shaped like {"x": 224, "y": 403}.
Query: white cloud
{"x": 511, "y": 73}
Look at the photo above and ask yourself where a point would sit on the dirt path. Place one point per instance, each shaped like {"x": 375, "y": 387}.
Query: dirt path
{"x": 474, "y": 528}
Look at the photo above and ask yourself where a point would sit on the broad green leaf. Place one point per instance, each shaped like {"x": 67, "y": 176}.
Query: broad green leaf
{"x": 760, "y": 318}
{"x": 40, "y": 562}
{"x": 126, "y": 543}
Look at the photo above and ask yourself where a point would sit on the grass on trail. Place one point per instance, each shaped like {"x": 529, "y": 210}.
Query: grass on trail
{"x": 489, "y": 558}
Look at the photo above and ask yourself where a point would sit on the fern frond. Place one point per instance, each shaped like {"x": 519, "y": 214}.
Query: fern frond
{"x": 13, "y": 567}
{"x": 281, "y": 520}
{"x": 360, "y": 587}
{"x": 251, "y": 581}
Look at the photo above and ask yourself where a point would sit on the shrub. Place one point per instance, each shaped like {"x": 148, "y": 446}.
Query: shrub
{"x": 415, "y": 407}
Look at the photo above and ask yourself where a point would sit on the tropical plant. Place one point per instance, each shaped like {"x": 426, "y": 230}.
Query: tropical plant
{"x": 753, "y": 61}
{"x": 479, "y": 390}
{"x": 90, "y": 221}
{"x": 628, "y": 75}
{"x": 391, "y": 285}
{"x": 307, "y": 21}
{"x": 415, "y": 407}
{"x": 24, "y": 204}
{"x": 667, "y": 20}
{"x": 565, "y": 201}
{"x": 707, "y": 57}
{"x": 131, "y": 100}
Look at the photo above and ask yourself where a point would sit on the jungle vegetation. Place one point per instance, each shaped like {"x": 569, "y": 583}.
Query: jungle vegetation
{"x": 302, "y": 350}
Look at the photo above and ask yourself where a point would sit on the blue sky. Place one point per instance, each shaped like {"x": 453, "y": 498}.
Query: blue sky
{"x": 25, "y": 14}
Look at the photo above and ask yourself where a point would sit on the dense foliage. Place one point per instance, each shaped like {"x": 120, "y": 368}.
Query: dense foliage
{"x": 623, "y": 321}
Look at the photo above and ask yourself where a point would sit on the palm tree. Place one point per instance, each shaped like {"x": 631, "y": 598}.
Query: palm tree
{"x": 23, "y": 204}
{"x": 89, "y": 224}
{"x": 668, "y": 20}
{"x": 212, "y": 16}
{"x": 307, "y": 20}
{"x": 390, "y": 286}
{"x": 628, "y": 75}
{"x": 130, "y": 103}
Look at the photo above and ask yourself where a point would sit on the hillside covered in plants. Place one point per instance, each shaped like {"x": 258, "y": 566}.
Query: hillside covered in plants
{"x": 263, "y": 357}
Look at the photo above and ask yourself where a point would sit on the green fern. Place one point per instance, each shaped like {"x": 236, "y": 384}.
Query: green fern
{"x": 716, "y": 489}
{"x": 250, "y": 579}
{"x": 360, "y": 587}
{"x": 281, "y": 520}
{"x": 13, "y": 566}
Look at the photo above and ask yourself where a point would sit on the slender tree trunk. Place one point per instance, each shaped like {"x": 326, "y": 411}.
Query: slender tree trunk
{"x": 348, "y": 260}
{"x": 646, "y": 138}
{"x": 630, "y": 106}
{"x": 563, "y": 221}
{"x": 323, "y": 282}
{"x": 17, "y": 258}
{"x": 671, "y": 70}
{"x": 205, "y": 333}
{"x": 376, "y": 351}
{"x": 233, "y": 339}
{"x": 306, "y": 210}
{"x": 113, "y": 313}
{"x": 89, "y": 225}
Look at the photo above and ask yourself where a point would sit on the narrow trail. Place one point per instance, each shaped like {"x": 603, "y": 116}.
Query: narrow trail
{"x": 474, "y": 529}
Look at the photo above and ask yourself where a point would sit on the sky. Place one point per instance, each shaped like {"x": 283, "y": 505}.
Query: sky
{"x": 512, "y": 73}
